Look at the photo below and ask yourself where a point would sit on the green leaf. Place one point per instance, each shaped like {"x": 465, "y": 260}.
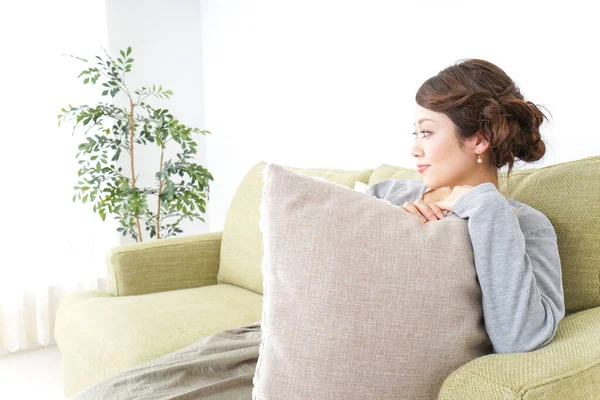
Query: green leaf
{"x": 129, "y": 50}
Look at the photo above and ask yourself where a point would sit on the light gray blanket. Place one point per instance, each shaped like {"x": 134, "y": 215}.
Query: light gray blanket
{"x": 217, "y": 367}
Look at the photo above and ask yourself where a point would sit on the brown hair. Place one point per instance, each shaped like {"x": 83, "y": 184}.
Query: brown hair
{"x": 479, "y": 96}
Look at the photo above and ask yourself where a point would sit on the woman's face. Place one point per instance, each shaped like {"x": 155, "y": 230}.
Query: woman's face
{"x": 436, "y": 145}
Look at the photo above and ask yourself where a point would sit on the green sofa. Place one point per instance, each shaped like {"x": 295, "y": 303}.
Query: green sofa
{"x": 165, "y": 294}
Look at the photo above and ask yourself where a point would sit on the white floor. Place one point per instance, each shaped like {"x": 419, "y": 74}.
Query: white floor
{"x": 32, "y": 374}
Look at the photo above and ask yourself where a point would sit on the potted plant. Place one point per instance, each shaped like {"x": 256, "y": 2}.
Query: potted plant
{"x": 180, "y": 186}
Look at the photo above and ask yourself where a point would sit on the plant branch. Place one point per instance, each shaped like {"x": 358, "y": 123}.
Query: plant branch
{"x": 160, "y": 186}
{"x": 131, "y": 158}
{"x": 122, "y": 83}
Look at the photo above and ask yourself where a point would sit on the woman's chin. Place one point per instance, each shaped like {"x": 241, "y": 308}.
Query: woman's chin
{"x": 429, "y": 182}
{"x": 432, "y": 184}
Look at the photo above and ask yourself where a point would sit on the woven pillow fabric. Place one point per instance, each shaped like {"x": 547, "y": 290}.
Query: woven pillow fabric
{"x": 361, "y": 300}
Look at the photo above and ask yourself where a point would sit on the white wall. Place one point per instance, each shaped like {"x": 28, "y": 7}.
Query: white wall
{"x": 322, "y": 83}
{"x": 167, "y": 50}
{"x": 38, "y": 158}
{"x": 332, "y": 83}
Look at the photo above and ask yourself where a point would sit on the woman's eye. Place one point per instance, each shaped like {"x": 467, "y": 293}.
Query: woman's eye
{"x": 422, "y": 132}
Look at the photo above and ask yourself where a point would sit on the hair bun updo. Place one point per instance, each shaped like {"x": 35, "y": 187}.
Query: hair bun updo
{"x": 479, "y": 96}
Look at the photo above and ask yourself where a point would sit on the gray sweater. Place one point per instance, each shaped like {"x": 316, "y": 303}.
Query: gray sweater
{"x": 516, "y": 257}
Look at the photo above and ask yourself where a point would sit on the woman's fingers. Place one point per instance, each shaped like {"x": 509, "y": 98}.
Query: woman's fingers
{"x": 410, "y": 207}
{"x": 436, "y": 209}
{"x": 426, "y": 209}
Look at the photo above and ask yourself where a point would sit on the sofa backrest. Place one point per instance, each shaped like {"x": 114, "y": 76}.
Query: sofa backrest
{"x": 569, "y": 195}
{"x": 241, "y": 244}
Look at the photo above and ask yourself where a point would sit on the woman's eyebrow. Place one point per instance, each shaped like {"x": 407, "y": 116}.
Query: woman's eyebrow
{"x": 425, "y": 119}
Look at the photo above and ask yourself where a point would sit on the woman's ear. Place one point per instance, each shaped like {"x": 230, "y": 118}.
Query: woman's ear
{"x": 481, "y": 143}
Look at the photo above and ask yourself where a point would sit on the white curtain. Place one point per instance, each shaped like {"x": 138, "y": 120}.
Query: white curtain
{"x": 50, "y": 246}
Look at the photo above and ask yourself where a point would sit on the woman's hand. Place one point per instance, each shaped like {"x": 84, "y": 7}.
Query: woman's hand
{"x": 457, "y": 193}
{"x": 424, "y": 209}
{"x": 432, "y": 211}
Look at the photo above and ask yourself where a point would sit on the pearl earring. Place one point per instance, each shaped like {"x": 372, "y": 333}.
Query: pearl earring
{"x": 479, "y": 160}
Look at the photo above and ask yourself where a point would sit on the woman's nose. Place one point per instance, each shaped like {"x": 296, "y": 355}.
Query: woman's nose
{"x": 415, "y": 149}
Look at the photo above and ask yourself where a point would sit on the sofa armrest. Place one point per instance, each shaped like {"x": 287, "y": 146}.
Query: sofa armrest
{"x": 566, "y": 368}
{"x": 165, "y": 264}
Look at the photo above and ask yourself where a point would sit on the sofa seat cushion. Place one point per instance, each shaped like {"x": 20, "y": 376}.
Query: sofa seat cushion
{"x": 100, "y": 335}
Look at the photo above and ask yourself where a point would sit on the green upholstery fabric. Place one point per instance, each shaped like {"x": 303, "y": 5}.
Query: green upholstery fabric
{"x": 567, "y": 368}
{"x": 143, "y": 316}
{"x": 569, "y": 195}
{"x": 241, "y": 248}
{"x": 167, "y": 264}
{"x": 387, "y": 171}
{"x": 100, "y": 335}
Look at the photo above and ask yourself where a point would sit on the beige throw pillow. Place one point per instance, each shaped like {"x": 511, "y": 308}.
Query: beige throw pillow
{"x": 361, "y": 300}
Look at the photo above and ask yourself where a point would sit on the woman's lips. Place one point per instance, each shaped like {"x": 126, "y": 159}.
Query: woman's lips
{"x": 423, "y": 168}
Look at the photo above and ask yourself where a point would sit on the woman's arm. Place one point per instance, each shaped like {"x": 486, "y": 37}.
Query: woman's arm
{"x": 396, "y": 191}
{"x": 518, "y": 268}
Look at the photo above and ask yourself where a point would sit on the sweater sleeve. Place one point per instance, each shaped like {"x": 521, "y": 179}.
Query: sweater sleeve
{"x": 380, "y": 189}
{"x": 395, "y": 191}
{"x": 518, "y": 267}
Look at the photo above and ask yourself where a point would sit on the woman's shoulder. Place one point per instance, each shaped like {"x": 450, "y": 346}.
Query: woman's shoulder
{"x": 532, "y": 220}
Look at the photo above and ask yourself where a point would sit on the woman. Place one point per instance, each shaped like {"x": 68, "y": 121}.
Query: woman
{"x": 470, "y": 121}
